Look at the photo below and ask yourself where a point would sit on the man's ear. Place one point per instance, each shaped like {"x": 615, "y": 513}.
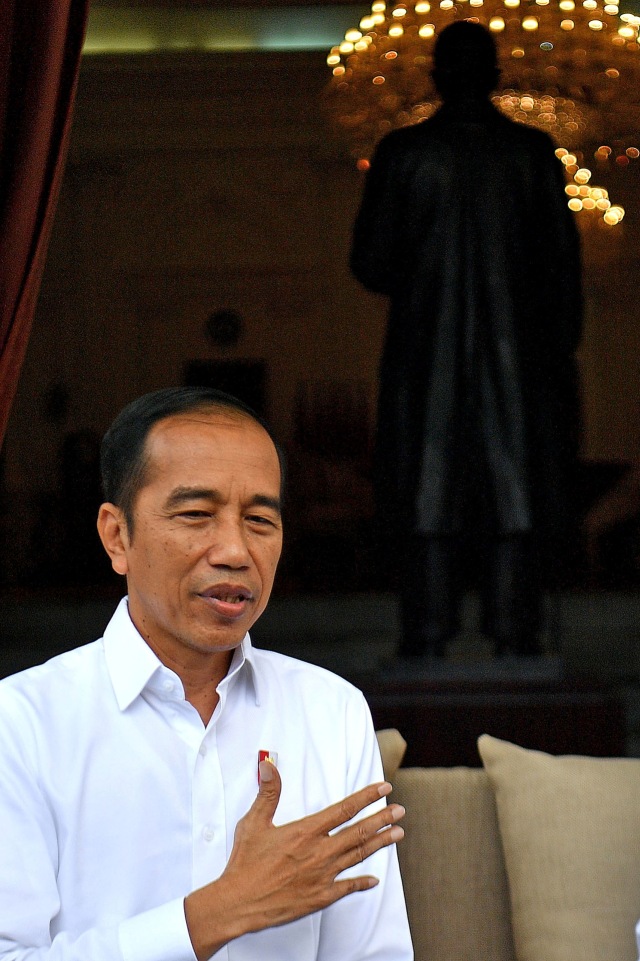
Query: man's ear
{"x": 114, "y": 535}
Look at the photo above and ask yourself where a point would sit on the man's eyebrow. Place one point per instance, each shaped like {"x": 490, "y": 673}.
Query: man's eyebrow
{"x": 181, "y": 495}
{"x": 263, "y": 500}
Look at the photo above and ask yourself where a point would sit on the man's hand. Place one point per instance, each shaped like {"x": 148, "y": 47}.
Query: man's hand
{"x": 279, "y": 874}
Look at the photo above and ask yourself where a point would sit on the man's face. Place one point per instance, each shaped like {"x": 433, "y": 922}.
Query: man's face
{"x": 207, "y": 533}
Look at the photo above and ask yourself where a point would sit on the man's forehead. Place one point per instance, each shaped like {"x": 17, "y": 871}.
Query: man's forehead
{"x": 215, "y": 424}
{"x": 198, "y": 430}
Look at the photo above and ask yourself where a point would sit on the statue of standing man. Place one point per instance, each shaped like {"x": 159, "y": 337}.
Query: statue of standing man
{"x": 464, "y": 225}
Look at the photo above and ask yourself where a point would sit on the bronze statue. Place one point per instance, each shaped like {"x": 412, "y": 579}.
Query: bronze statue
{"x": 464, "y": 225}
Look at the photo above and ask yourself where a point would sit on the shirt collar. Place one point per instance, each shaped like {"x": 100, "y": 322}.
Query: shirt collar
{"x": 133, "y": 666}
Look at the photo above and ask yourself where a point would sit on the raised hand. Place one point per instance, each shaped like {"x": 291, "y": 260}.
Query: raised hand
{"x": 278, "y": 874}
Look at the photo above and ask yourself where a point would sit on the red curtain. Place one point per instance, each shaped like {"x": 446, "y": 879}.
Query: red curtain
{"x": 40, "y": 47}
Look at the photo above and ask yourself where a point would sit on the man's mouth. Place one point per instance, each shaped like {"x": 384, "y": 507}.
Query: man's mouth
{"x": 228, "y": 601}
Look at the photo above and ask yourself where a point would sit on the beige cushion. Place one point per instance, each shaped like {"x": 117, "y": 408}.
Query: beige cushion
{"x": 392, "y": 747}
{"x": 452, "y": 866}
{"x": 570, "y": 829}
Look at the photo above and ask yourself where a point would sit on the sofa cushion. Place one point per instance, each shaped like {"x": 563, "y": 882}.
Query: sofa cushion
{"x": 570, "y": 829}
{"x": 452, "y": 866}
{"x": 392, "y": 747}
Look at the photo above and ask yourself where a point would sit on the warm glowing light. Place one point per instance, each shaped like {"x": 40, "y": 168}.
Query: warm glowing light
{"x": 577, "y": 78}
{"x": 613, "y": 215}
{"x": 363, "y": 164}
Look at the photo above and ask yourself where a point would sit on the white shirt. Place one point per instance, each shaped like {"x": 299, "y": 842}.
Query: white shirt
{"x": 116, "y": 802}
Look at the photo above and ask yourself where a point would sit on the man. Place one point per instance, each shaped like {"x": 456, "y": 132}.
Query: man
{"x": 128, "y": 811}
{"x": 464, "y": 224}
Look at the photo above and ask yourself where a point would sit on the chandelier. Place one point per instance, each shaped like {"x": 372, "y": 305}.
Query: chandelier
{"x": 570, "y": 67}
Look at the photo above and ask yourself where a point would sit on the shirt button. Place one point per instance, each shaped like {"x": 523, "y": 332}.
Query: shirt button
{"x": 208, "y": 833}
{"x": 203, "y": 750}
{"x": 167, "y": 686}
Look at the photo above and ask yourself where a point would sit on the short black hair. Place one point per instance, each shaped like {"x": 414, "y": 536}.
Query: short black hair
{"x": 123, "y": 455}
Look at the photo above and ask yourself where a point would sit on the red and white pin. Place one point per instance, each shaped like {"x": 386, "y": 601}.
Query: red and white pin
{"x": 270, "y": 756}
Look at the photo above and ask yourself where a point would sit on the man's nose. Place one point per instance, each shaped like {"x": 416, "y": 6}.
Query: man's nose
{"x": 230, "y": 548}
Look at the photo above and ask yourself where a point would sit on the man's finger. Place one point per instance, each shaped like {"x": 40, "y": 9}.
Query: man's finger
{"x": 343, "y": 811}
{"x": 365, "y": 846}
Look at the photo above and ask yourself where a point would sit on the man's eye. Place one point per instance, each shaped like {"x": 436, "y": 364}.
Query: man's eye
{"x": 194, "y": 514}
{"x": 260, "y": 519}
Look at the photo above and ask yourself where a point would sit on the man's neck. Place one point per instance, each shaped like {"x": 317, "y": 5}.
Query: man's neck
{"x": 200, "y": 673}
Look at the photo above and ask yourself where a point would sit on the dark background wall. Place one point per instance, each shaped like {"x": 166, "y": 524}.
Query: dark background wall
{"x": 204, "y": 183}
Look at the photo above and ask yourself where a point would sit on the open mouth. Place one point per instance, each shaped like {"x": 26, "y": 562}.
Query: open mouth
{"x": 228, "y": 602}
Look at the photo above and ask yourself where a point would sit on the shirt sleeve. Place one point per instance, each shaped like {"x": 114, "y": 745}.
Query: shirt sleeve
{"x": 368, "y": 925}
{"x": 30, "y": 907}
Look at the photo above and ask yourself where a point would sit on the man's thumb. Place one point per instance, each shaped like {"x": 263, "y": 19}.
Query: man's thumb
{"x": 269, "y": 791}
